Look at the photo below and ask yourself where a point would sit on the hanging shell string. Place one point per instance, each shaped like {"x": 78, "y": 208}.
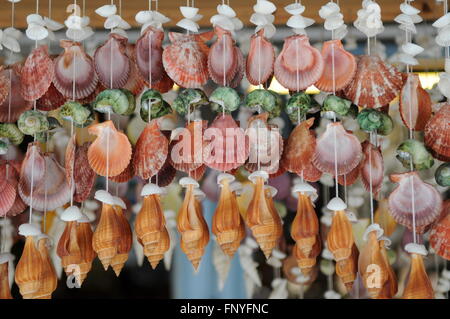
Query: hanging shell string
{"x": 333, "y": 74}
{"x": 72, "y": 165}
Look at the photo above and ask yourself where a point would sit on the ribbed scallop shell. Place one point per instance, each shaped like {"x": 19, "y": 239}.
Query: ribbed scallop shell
{"x": 74, "y": 69}
{"x": 260, "y": 59}
{"x": 151, "y": 151}
{"x": 135, "y": 82}
{"x": 51, "y": 100}
{"x": 29, "y": 269}
{"x": 50, "y": 188}
{"x": 349, "y": 152}
{"x": 372, "y": 167}
{"x": 148, "y": 55}
{"x": 222, "y": 58}
{"x": 299, "y": 148}
{"x": 236, "y": 81}
{"x": 108, "y": 157}
{"x": 427, "y": 201}
{"x": 415, "y": 103}
{"x": 310, "y": 173}
{"x": 7, "y": 190}
{"x": 437, "y": 134}
{"x": 229, "y": 149}
{"x": 440, "y": 233}
{"x": 164, "y": 85}
{"x": 13, "y": 177}
{"x": 340, "y": 67}
{"x": 4, "y": 85}
{"x": 350, "y": 178}
{"x": 418, "y": 285}
{"x": 111, "y": 62}
{"x": 126, "y": 175}
{"x": 299, "y": 65}
{"x": 186, "y": 59}
{"x": 375, "y": 83}
{"x": 36, "y": 74}
{"x": 18, "y": 104}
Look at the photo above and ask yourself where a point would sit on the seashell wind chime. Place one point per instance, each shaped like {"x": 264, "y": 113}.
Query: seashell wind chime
{"x": 249, "y": 164}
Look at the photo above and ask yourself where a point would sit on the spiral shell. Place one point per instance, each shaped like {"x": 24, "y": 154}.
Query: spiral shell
{"x": 418, "y": 285}
{"x": 119, "y": 101}
{"x": 32, "y": 122}
{"x": 75, "y": 112}
{"x": 125, "y": 242}
{"x": 11, "y": 132}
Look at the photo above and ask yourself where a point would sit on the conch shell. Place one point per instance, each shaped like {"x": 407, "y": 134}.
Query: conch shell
{"x": 262, "y": 219}
{"x": 191, "y": 224}
{"x": 126, "y": 238}
{"x": 418, "y": 285}
{"x": 48, "y": 279}
{"x": 150, "y": 225}
{"x": 5, "y": 291}
{"x": 228, "y": 225}
{"x": 29, "y": 269}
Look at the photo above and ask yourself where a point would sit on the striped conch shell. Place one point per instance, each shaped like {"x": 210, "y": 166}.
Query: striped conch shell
{"x": 84, "y": 239}
{"x": 384, "y": 218}
{"x": 126, "y": 236}
{"x": 341, "y": 243}
{"x": 305, "y": 228}
{"x": 48, "y": 279}
{"x": 418, "y": 285}
{"x": 110, "y": 153}
{"x": 390, "y": 288}
{"x": 228, "y": 226}
{"x": 264, "y": 222}
{"x": 5, "y": 291}
{"x": 191, "y": 223}
{"x": 150, "y": 225}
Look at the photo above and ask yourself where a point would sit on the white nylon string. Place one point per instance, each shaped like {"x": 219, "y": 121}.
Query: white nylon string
{"x": 32, "y": 182}
{"x": 370, "y": 180}
{"x": 224, "y": 60}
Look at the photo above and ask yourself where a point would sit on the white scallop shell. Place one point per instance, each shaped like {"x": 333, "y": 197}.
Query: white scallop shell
{"x": 407, "y": 59}
{"x": 226, "y": 10}
{"x": 336, "y": 204}
{"x": 188, "y": 25}
{"x": 442, "y": 21}
{"x": 36, "y": 19}
{"x": 294, "y": 8}
{"x": 52, "y": 25}
{"x": 29, "y": 230}
{"x": 104, "y": 197}
{"x": 264, "y": 7}
{"x": 143, "y": 16}
{"x": 408, "y": 9}
{"x": 260, "y": 19}
{"x": 222, "y": 21}
{"x": 371, "y": 228}
{"x": 106, "y": 10}
{"x": 71, "y": 214}
{"x": 188, "y": 12}
{"x": 197, "y": 17}
{"x": 36, "y": 32}
{"x": 416, "y": 18}
{"x": 299, "y": 22}
{"x": 112, "y": 22}
{"x": 412, "y": 49}
{"x": 10, "y": 43}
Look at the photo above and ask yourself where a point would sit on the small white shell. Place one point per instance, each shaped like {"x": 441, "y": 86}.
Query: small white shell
{"x": 371, "y": 228}
{"x": 71, "y": 214}
{"x": 331, "y": 294}
{"x": 199, "y": 194}
{"x": 412, "y": 49}
{"x": 84, "y": 219}
{"x": 185, "y": 181}
{"x": 273, "y": 191}
{"x": 444, "y": 84}
{"x": 13, "y": 32}
{"x": 416, "y": 249}
{"x": 35, "y": 18}
{"x": 238, "y": 24}
{"x": 442, "y": 21}
{"x": 74, "y": 22}
{"x": 264, "y": 7}
{"x": 188, "y": 25}
{"x": 254, "y": 176}
{"x": 143, "y": 16}
{"x": 36, "y": 32}
{"x": 106, "y": 10}
{"x": 236, "y": 187}
{"x": 329, "y": 9}
{"x": 224, "y": 176}
{"x": 299, "y": 22}
{"x": 278, "y": 254}
{"x": 52, "y": 25}
{"x": 294, "y": 8}
{"x": 336, "y": 204}
{"x": 10, "y": 43}
{"x": 334, "y": 22}
{"x": 408, "y": 9}
{"x": 6, "y": 258}
{"x": 123, "y": 24}
{"x": 327, "y": 254}
{"x": 222, "y": 21}
{"x": 260, "y": 19}
{"x": 226, "y": 10}
{"x": 151, "y": 189}
{"x": 104, "y": 197}
{"x": 112, "y": 22}
{"x": 407, "y": 59}
{"x": 29, "y": 230}
{"x": 306, "y": 189}
{"x": 119, "y": 202}
{"x": 188, "y": 12}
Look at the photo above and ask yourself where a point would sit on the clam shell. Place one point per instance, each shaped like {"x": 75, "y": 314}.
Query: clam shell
{"x": 442, "y": 21}
{"x": 7, "y": 192}
{"x": 415, "y": 104}
{"x": 36, "y": 74}
{"x": 427, "y": 201}
{"x": 340, "y": 67}
{"x": 18, "y": 104}
{"x": 299, "y": 65}
{"x": 111, "y": 58}
{"x": 375, "y": 83}
{"x": 437, "y": 134}
{"x": 349, "y": 152}
{"x": 148, "y": 55}
{"x": 260, "y": 59}
{"x": 186, "y": 59}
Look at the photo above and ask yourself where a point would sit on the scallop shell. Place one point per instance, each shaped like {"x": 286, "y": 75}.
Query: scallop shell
{"x": 151, "y": 151}
{"x": 222, "y": 58}
{"x": 135, "y": 82}
{"x": 18, "y": 104}
{"x": 236, "y": 81}
{"x": 440, "y": 233}
{"x": 13, "y": 177}
{"x": 127, "y": 174}
{"x": 110, "y": 153}
{"x": 350, "y": 178}
{"x": 185, "y": 150}
{"x": 36, "y": 74}
{"x": 340, "y": 67}
{"x": 375, "y": 83}
{"x": 51, "y": 100}
{"x": 7, "y": 191}
{"x": 48, "y": 177}
{"x": 260, "y": 59}
{"x": 372, "y": 167}
{"x": 75, "y": 75}
{"x": 415, "y": 104}
{"x": 299, "y": 148}
{"x": 349, "y": 152}
{"x": 229, "y": 147}
{"x": 165, "y": 84}
{"x": 111, "y": 62}
{"x": 418, "y": 285}
{"x": 299, "y": 65}
{"x": 149, "y": 57}
{"x": 310, "y": 173}
{"x": 4, "y": 85}
{"x": 437, "y": 134}
{"x": 427, "y": 201}
{"x": 186, "y": 59}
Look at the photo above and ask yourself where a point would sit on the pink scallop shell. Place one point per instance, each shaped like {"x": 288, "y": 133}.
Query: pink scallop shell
{"x": 260, "y": 59}
{"x": 437, "y": 134}
{"x": 150, "y": 66}
{"x": 223, "y": 58}
{"x": 11, "y": 112}
{"x": 7, "y": 192}
{"x": 372, "y": 167}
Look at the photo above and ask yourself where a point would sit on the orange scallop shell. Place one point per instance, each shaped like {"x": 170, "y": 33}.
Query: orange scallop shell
{"x": 350, "y": 178}
{"x": 110, "y": 153}
{"x": 36, "y": 74}
{"x": 299, "y": 65}
{"x": 437, "y": 134}
{"x": 340, "y": 67}
{"x": 375, "y": 83}
{"x": 440, "y": 233}
{"x": 260, "y": 59}
{"x": 415, "y": 103}
{"x": 18, "y": 104}
{"x": 127, "y": 173}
